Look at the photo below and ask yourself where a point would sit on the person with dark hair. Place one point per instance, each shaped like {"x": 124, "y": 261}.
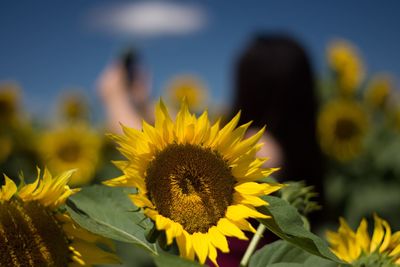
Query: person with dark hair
{"x": 274, "y": 86}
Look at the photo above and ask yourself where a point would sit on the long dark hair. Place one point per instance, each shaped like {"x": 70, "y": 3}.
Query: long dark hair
{"x": 274, "y": 86}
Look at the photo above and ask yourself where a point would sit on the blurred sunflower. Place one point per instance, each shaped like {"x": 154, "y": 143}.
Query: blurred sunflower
{"x": 73, "y": 146}
{"x": 190, "y": 88}
{"x": 342, "y": 125}
{"x": 73, "y": 107}
{"x": 6, "y": 146}
{"x": 9, "y": 103}
{"x": 344, "y": 60}
{"x": 196, "y": 181}
{"x": 357, "y": 248}
{"x": 378, "y": 91}
{"x": 394, "y": 116}
{"x": 35, "y": 232}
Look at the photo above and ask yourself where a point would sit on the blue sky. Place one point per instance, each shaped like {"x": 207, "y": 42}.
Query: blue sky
{"x": 48, "y": 46}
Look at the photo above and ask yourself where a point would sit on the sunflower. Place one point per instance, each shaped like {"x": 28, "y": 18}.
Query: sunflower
{"x": 344, "y": 60}
{"x": 6, "y": 146}
{"x": 35, "y": 232}
{"x": 357, "y": 248}
{"x": 73, "y": 107}
{"x": 9, "y": 102}
{"x": 195, "y": 181}
{"x": 394, "y": 117}
{"x": 190, "y": 88}
{"x": 73, "y": 146}
{"x": 378, "y": 91}
{"x": 342, "y": 125}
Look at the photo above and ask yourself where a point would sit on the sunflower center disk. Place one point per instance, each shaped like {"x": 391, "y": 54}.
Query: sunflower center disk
{"x": 30, "y": 236}
{"x": 190, "y": 185}
{"x": 6, "y": 108}
{"x": 69, "y": 152}
{"x": 346, "y": 129}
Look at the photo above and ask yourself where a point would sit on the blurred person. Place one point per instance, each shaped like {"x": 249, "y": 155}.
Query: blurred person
{"x": 274, "y": 86}
{"x": 125, "y": 94}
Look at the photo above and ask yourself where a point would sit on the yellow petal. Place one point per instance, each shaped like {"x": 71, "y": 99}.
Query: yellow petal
{"x": 228, "y": 228}
{"x": 212, "y": 254}
{"x": 248, "y": 199}
{"x": 200, "y": 245}
{"x": 218, "y": 239}
{"x": 387, "y": 238}
{"x": 238, "y": 212}
{"x": 226, "y": 130}
{"x": 185, "y": 245}
{"x": 245, "y": 225}
{"x": 363, "y": 236}
{"x": 253, "y": 188}
{"x": 378, "y": 234}
{"x": 395, "y": 251}
{"x": 246, "y": 145}
{"x": 8, "y": 189}
{"x": 161, "y": 222}
{"x": 141, "y": 201}
{"x": 173, "y": 231}
{"x": 202, "y": 129}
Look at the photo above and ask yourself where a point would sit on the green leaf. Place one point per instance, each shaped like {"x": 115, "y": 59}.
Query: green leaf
{"x": 282, "y": 253}
{"x": 110, "y": 213}
{"x": 286, "y": 223}
{"x": 380, "y": 197}
{"x": 168, "y": 260}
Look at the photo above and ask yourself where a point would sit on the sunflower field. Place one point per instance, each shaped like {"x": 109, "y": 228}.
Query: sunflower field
{"x": 185, "y": 188}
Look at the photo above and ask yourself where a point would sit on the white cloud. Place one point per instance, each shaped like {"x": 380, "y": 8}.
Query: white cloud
{"x": 149, "y": 18}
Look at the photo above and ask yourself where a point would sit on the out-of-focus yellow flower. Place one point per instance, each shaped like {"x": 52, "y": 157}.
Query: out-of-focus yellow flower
{"x": 73, "y": 107}
{"x": 72, "y": 146}
{"x": 342, "y": 125}
{"x": 344, "y": 60}
{"x": 196, "y": 181}
{"x": 378, "y": 91}
{"x": 6, "y": 145}
{"x": 394, "y": 116}
{"x": 190, "y": 88}
{"x": 359, "y": 249}
{"x": 34, "y": 232}
{"x": 9, "y": 103}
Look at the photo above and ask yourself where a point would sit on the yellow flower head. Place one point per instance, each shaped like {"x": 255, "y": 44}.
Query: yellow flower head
{"x": 342, "y": 125}
{"x": 394, "y": 116}
{"x": 34, "y": 232}
{"x": 378, "y": 91}
{"x": 344, "y": 60}
{"x": 196, "y": 181}
{"x": 189, "y": 88}
{"x": 6, "y": 145}
{"x": 359, "y": 249}
{"x": 74, "y": 146}
{"x": 9, "y": 102}
{"x": 73, "y": 107}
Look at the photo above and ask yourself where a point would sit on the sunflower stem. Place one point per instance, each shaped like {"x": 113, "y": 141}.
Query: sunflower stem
{"x": 253, "y": 245}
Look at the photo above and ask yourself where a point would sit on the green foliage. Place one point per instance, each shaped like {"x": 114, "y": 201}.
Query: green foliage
{"x": 300, "y": 196}
{"x": 286, "y": 223}
{"x": 374, "y": 260}
{"x": 382, "y": 198}
{"x": 282, "y": 253}
{"x": 168, "y": 260}
{"x": 109, "y": 212}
